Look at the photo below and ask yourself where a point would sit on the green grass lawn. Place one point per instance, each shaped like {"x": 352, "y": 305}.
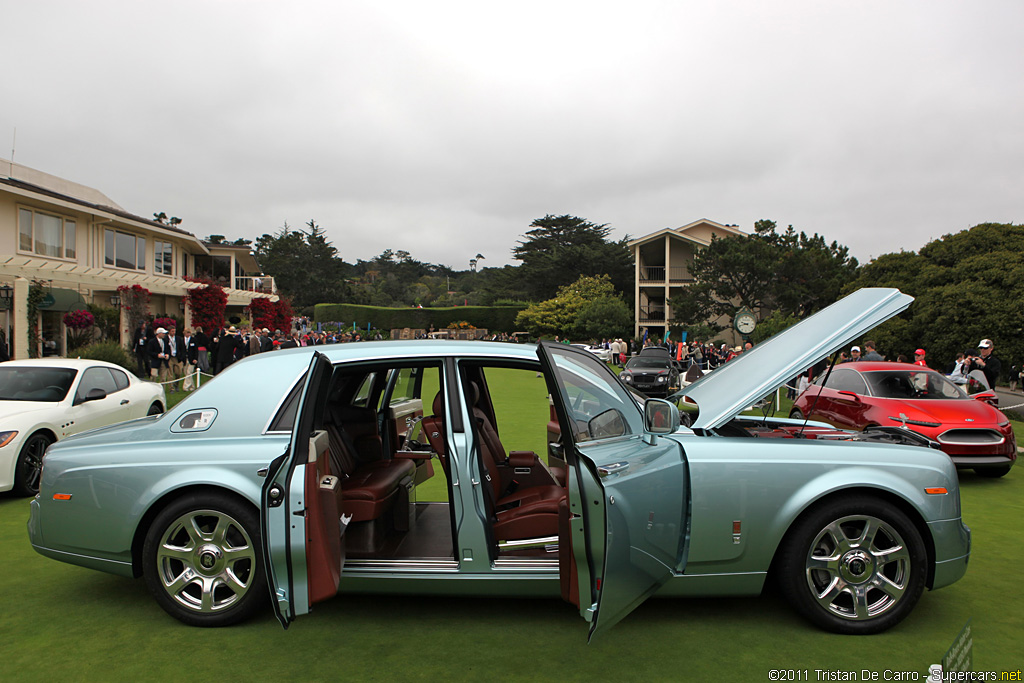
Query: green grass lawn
{"x": 68, "y": 623}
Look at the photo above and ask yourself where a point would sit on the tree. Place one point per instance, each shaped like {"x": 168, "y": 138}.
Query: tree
{"x": 559, "y": 315}
{"x": 603, "y": 318}
{"x": 968, "y": 286}
{"x": 791, "y": 272}
{"x": 561, "y": 249}
{"x": 304, "y": 264}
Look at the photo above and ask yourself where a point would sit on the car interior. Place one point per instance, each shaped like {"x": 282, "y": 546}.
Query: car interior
{"x": 387, "y": 450}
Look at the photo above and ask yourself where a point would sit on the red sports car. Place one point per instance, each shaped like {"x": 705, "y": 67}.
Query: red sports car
{"x": 862, "y": 394}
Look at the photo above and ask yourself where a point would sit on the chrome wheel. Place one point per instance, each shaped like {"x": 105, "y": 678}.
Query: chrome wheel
{"x": 206, "y": 561}
{"x": 853, "y": 564}
{"x": 858, "y": 567}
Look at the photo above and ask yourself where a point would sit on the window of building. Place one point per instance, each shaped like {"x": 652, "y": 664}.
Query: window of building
{"x": 124, "y": 250}
{"x": 163, "y": 258}
{"x": 46, "y": 234}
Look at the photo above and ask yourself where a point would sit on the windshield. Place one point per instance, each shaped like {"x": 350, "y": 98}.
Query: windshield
{"x": 912, "y": 384}
{"x": 647, "y": 363}
{"x": 35, "y": 384}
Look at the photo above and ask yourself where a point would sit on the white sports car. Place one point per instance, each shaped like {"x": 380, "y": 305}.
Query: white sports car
{"x": 42, "y": 401}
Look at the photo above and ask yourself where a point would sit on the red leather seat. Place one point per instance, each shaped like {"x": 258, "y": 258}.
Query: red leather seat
{"x": 369, "y": 482}
{"x": 526, "y": 513}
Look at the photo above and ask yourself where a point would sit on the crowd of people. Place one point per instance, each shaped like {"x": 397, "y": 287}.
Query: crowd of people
{"x": 167, "y": 354}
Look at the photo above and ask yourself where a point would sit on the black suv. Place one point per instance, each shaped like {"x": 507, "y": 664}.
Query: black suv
{"x": 653, "y": 372}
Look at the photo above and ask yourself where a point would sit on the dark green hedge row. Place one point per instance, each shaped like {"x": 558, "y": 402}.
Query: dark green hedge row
{"x": 492, "y": 318}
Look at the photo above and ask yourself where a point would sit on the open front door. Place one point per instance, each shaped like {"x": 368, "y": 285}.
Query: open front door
{"x": 627, "y": 490}
{"x": 302, "y": 545}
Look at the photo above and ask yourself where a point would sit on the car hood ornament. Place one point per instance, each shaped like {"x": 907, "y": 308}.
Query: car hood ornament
{"x": 732, "y": 387}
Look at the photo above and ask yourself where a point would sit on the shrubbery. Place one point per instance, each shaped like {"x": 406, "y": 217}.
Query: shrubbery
{"x": 492, "y": 318}
{"x": 111, "y": 352}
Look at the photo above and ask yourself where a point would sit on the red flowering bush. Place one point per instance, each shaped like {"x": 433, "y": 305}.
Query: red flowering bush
{"x": 135, "y": 304}
{"x": 79, "y": 324}
{"x": 282, "y": 319}
{"x": 262, "y": 313}
{"x": 79, "y": 320}
{"x": 166, "y": 323}
{"x": 207, "y": 304}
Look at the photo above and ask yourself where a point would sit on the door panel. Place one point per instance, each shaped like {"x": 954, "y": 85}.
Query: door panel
{"x": 627, "y": 490}
{"x": 293, "y": 510}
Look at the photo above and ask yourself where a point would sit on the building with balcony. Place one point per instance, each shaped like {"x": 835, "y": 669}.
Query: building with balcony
{"x": 80, "y": 246}
{"x": 662, "y": 260}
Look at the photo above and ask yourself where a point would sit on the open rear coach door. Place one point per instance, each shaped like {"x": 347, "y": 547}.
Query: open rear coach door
{"x": 627, "y": 490}
{"x": 302, "y": 533}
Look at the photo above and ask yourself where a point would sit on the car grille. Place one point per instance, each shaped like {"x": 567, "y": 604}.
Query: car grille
{"x": 971, "y": 437}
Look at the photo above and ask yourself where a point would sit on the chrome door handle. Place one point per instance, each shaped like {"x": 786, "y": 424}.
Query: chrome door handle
{"x": 614, "y": 468}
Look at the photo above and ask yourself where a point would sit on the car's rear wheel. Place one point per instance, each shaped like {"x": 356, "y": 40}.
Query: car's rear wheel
{"x": 30, "y": 464}
{"x": 992, "y": 472}
{"x": 854, "y": 565}
{"x": 202, "y": 560}
{"x": 155, "y": 409}
{"x": 796, "y": 414}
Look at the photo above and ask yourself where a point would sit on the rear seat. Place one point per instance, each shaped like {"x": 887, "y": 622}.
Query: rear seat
{"x": 370, "y": 482}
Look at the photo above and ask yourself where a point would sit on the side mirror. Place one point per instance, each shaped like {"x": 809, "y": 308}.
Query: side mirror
{"x": 95, "y": 394}
{"x": 988, "y": 398}
{"x": 660, "y": 416}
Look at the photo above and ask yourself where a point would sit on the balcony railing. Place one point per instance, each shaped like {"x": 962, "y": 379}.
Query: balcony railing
{"x": 256, "y": 283}
{"x": 652, "y": 315}
{"x": 656, "y": 274}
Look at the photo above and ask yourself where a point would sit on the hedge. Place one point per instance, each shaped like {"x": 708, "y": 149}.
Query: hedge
{"x": 492, "y": 318}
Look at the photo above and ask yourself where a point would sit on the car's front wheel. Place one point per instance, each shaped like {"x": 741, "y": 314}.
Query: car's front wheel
{"x": 202, "y": 560}
{"x": 29, "y": 467}
{"x": 854, "y": 565}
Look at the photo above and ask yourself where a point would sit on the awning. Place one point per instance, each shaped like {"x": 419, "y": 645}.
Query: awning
{"x": 58, "y": 299}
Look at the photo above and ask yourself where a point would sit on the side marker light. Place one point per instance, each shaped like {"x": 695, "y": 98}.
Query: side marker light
{"x": 62, "y": 496}
{"x": 937, "y": 491}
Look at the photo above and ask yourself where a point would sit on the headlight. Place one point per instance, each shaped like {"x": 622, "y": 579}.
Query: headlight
{"x": 6, "y": 438}
{"x": 661, "y": 378}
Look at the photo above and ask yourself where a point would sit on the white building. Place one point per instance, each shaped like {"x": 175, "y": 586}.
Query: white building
{"x": 79, "y": 246}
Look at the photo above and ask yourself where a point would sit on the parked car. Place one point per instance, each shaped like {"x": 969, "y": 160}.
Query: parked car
{"x": 294, "y": 475}
{"x": 970, "y": 429}
{"x": 653, "y": 371}
{"x": 42, "y": 401}
{"x": 599, "y": 351}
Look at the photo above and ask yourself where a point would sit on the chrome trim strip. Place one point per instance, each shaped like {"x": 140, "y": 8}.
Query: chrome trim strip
{"x": 529, "y": 543}
{"x": 998, "y": 439}
{"x": 520, "y": 563}
{"x": 401, "y": 565}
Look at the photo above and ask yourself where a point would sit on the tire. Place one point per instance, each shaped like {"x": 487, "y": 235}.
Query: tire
{"x": 992, "y": 472}
{"x": 795, "y": 414}
{"x": 842, "y": 583}
{"x": 30, "y": 464}
{"x": 203, "y": 562}
{"x": 155, "y": 409}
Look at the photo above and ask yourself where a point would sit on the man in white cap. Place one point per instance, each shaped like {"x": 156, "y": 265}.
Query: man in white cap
{"x": 987, "y": 362}
{"x": 854, "y": 355}
{"x": 159, "y": 354}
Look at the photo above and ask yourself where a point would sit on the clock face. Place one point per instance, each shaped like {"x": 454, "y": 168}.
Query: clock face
{"x": 746, "y": 324}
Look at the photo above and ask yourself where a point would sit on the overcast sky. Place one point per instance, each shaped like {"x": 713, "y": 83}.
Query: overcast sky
{"x": 445, "y": 128}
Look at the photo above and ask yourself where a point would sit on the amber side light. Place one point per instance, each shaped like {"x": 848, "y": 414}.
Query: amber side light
{"x": 62, "y": 496}
{"x": 937, "y": 491}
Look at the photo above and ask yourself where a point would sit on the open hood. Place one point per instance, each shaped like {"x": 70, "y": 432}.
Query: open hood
{"x": 732, "y": 387}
